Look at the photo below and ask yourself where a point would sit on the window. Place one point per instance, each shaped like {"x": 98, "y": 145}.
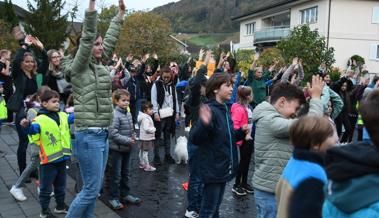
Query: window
{"x": 375, "y": 15}
{"x": 250, "y": 28}
{"x": 309, "y": 15}
{"x": 374, "y": 52}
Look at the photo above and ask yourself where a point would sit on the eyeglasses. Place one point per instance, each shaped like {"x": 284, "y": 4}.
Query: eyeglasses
{"x": 53, "y": 57}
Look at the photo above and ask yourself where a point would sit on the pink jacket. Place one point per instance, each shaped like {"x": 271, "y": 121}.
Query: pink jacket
{"x": 239, "y": 117}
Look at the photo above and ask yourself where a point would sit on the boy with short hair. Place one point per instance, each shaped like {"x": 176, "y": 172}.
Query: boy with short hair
{"x": 272, "y": 145}
{"x": 50, "y": 130}
{"x": 353, "y": 170}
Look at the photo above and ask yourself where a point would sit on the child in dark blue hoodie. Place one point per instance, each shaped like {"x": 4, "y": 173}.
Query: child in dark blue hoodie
{"x": 216, "y": 140}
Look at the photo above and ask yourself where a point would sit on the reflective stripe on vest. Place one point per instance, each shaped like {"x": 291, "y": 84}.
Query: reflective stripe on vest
{"x": 3, "y": 110}
{"x": 54, "y": 140}
{"x": 360, "y": 120}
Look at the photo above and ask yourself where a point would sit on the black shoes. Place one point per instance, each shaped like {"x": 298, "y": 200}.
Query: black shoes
{"x": 238, "y": 190}
{"x": 248, "y": 188}
{"x": 169, "y": 159}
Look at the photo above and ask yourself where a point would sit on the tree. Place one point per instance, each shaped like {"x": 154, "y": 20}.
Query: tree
{"x": 47, "y": 22}
{"x": 7, "y": 41}
{"x": 309, "y": 46}
{"x": 105, "y": 17}
{"x": 270, "y": 56}
{"x": 244, "y": 59}
{"x": 145, "y": 32}
{"x": 7, "y": 13}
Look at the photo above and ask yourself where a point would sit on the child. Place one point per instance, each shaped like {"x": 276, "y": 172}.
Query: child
{"x": 353, "y": 171}
{"x": 50, "y": 130}
{"x": 121, "y": 142}
{"x": 33, "y": 105}
{"x": 242, "y": 114}
{"x": 147, "y": 135}
{"x": 215, "y": 137}
{"x": 272, "y": 147}
{"x": 302, "y": 193}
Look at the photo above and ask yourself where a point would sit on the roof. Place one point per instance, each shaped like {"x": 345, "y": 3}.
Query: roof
{"x": 262, "y": 5}
{"x": 19, "y": 11}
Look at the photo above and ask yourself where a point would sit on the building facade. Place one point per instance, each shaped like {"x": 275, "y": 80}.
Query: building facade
{"x": 351, "y": 27}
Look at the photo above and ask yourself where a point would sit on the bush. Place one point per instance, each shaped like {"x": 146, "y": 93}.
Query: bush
{"x": 270, "y": 56}
{"x": 244, "y": 59}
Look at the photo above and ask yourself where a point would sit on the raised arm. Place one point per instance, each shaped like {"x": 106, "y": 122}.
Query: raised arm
{"x": 113, "y": 32}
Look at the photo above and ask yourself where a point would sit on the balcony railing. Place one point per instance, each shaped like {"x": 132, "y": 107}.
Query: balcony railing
{"x": 272, "y": 34}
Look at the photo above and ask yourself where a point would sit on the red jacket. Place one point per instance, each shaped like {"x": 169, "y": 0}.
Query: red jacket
{"x": 239, "y": 117}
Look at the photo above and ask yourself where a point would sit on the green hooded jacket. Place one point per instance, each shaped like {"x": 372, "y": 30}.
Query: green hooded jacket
{"x": 90, "y": 79}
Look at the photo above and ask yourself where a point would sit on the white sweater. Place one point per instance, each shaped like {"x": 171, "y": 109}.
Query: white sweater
{"x": 147, "y": 129}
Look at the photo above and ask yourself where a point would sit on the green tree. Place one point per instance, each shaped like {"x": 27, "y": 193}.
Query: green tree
{"x": 244, "y": 59}
{"x": 270, "y": 56}
{"x": 105, "y": 17}
{"x": 7, "y": 13}
{"x": 47, "y": 22}
{"x": 145, "y": 32}
{"x": 7, "y": 41}
{"x": 309, "y": 46}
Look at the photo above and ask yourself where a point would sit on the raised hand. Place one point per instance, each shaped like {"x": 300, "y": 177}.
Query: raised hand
{"x": 121, "y": 8}
{"x": 201, "y": 54}
{"x": 295, "y": 61}
{"x": 29, "y": 40}
{"x": 205, "y": 114}
{"x": 38, "y": 43}
{"x": 316, "y": 88}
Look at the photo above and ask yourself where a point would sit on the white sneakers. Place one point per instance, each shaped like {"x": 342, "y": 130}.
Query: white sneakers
{"x": 191, "y": 214}
{"x": 18, "y": 194}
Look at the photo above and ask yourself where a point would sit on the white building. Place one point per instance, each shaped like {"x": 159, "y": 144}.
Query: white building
{"x": 350, "y": 26}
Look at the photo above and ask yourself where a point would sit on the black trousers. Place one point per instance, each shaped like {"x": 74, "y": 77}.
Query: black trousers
{"x": 246, "y": 150}
{"x": 343, "y": 120}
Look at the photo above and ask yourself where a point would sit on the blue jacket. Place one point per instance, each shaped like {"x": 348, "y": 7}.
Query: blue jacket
{"x": 217, "y": 157}
{"x": 353, "y": 189}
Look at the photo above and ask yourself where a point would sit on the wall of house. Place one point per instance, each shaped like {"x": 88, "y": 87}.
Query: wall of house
{"x": 246, "y": 41}
{"x": 322, "y": 20}
{"x": 352, "y": 31}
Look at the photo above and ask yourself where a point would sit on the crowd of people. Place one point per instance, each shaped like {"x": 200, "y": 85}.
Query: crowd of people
{"x": 314, "y": 144}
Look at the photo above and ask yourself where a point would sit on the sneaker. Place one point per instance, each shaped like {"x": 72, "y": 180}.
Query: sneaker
{"x": 63, "y": 209}
{"x": 142, "y": 166}
{"x": 187, "y": 129}
{"x": 131, "y": 199}
{"x": 248, "y": 188}
{"x": 17, "y": 193}
{"x": 116, "y": 204}
{"x": 149, "y": 168}
{"x": 136, "y": 126}
{"x": 47, "y": 214}
{"x": 191, "y": 214}
{"x": 52, "y": 194}
{"x": 169, "y": 159}
{"x": 238, "y": 190}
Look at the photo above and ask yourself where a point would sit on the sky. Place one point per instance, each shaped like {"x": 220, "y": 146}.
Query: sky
{"x": 83, "y": 4}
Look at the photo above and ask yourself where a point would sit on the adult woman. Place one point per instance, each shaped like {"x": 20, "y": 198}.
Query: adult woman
{"x": 24, "y": 73}
{"x": 54, "y": 77}
{"x": 91, "y": 83}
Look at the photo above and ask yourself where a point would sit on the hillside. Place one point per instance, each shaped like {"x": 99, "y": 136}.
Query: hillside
{"x": 203, "y": 16}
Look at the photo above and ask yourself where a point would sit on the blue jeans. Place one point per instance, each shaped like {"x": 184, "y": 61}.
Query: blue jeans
{"x": 211, "y": 201}
{"x": 195, "y": 185}
{"x": 118, "y": 186}
{"x": 265, "y": 203}
{"x": 52, "y": 174}
{"x": 92, "y": 153}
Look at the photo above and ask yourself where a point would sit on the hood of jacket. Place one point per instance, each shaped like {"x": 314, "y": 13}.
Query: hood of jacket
{"x": 353, "y": 171}
{"x": 142, "y": 116}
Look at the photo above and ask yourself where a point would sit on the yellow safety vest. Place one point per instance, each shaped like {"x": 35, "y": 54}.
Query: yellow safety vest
{"x": 3, "y": 110}
{"x": 54, "y": 141}
{"x": 360, "y": 120}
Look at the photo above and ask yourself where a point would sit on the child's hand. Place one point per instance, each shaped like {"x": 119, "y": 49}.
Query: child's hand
{"x": 317, "y": 86}
{"x": 205, "y": 114}
{"x": 245, "y": 128}
{"x": 24, "y": 122}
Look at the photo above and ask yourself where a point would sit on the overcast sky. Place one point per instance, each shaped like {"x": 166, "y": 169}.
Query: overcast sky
{"x": 130, "y": 4}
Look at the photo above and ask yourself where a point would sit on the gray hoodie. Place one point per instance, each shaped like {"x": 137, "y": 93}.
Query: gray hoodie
{"x": 272, "y": 145}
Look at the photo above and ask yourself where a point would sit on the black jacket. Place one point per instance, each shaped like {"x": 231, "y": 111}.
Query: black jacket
{"x": 217, "y": 156}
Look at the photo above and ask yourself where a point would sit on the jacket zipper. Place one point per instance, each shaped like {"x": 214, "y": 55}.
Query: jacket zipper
{"x": 230, "y": 141}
